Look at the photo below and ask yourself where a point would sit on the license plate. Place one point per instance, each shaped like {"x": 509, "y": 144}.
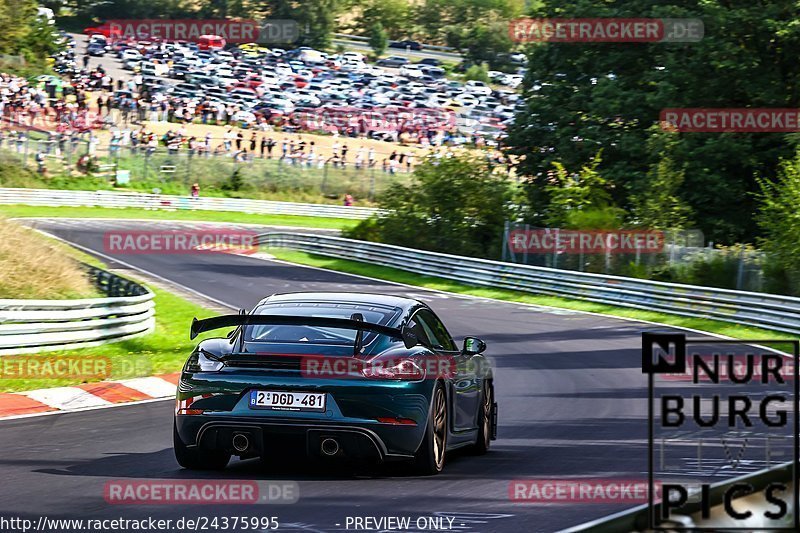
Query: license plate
{"x": 287, "y": 401}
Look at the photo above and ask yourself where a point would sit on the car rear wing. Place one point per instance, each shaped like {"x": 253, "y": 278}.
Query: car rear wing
{"x": 225, "y": 321}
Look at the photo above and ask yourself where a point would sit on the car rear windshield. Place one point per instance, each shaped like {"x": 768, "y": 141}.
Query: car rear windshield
{"x": 374, "y": 314}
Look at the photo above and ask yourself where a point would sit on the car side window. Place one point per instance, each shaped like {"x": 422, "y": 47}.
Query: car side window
{"x": 435, "y": 331}
{"x": 417, "y": 329}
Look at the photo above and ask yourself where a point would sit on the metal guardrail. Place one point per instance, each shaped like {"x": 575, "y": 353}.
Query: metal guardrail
{"x": 56, "y": 197}
{"x": 778, "y": 313}
{"x": 32, "y": 326}
{"x": 636, "y": 519}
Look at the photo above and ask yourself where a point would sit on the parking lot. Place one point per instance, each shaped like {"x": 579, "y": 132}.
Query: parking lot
{"x": 308, "y": 90}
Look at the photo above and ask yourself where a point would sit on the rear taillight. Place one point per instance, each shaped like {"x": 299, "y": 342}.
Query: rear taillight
{"x": 182, "y": 407}
{"x": 198, "y": 362}
{"x": 398, "y": 421}
{"x": 405, "y": 369}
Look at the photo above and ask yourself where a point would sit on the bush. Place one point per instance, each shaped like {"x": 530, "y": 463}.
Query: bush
{"x": 477, "y": 73}
{"x": 235, "y": 182}
{"x": 13, "y": 174}
{"x": 778, "y": 220}
{"x": 378, "y": 40}
{"x": 719, "y": 270}
{"x": 454, "y": 205}
{"x": 367, "y": 230}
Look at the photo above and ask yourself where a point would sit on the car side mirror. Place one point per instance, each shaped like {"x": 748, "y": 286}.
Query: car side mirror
{"x": 473, "y": 346}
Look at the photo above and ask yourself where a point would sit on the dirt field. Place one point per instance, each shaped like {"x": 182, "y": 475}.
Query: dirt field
{"x": 323, "y": 143}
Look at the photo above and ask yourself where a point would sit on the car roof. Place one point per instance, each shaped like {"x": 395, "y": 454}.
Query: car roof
{"x": 344, "y": 297}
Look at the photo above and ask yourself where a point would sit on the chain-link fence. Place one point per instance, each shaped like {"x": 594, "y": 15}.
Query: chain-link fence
{"x": 675, "y": 256}
{"x": 175, "y": 170}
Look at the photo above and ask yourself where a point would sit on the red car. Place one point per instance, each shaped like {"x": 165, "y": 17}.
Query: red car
{"x": 104, "y": 30}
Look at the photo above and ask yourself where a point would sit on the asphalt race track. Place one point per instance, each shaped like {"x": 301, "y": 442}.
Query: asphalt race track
{"x": 572, "y": 396}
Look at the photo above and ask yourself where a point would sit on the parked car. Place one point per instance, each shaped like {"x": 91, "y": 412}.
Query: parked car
{"x": 430, "y": 62}
{"x": 130, "y": 54}
{"x": 477, "y": 87}
{"x": 96, "y": 49}
{"x": 210, "y": 42}
{"x": 406, "y": 45}
{"x": 392, "y": 61}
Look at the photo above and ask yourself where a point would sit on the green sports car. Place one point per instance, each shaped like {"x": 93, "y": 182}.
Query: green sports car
{"x": 336, "y": 376}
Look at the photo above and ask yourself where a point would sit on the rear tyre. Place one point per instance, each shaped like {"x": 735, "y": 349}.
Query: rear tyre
{"x": 485, "y": 421}
{"x": 195, "y": 458}
{"x": 429, "y": 459}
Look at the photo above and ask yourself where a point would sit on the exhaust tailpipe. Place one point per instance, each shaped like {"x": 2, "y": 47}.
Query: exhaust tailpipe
{"x": 240, "y": 442}
{"x": 330, "y": 447}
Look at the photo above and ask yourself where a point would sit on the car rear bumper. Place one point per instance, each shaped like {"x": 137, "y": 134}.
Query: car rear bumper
{"x": 280, "y": 437}
{"x": 378, "y": 419}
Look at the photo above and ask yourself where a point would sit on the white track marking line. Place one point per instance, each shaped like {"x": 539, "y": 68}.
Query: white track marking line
{"x": 79, "y": 410}
{"x": 66, "y": 398}
{"x": 92, "y": 222}
{"x": 153, "y": 386}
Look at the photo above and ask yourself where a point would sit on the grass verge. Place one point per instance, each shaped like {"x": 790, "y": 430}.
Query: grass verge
{"x": 401, "y": 276}
{"x": 199, "y": 216}
{"x": 30, "y": 270}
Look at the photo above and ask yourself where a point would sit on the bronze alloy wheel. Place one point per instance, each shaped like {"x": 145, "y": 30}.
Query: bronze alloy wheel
{"x": 439, "y": 427}
{"x": 488, "y": 400}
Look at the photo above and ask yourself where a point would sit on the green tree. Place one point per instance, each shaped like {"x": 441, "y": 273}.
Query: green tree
{"x": 395, "y": 16}
{"x": 779, "y": 218}
{"x": 316, "y": 19}
{"x": 135, "y": 9}
{"x": 378, "y": 40}
{"x": 659, "y": 205}
{"x": 437, "y": 18}
{"x": 490, "y": 43}
{"x": 453, "y": 205}
{"x": 579, "y": 96}
{"x": 477, "y": 73}
{"x": 25, "y": 34}
{"x": 483, "y": 42}
{"x": 230, "y": 8}
{"x": 580, "y": 200}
